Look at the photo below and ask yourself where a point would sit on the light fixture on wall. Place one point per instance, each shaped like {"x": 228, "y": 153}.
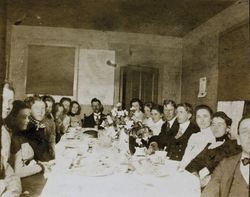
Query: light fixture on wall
{"x": 110, "y": 63}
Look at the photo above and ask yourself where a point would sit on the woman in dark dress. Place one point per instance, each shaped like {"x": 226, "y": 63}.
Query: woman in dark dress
{"x": 41, "y": 132}
{"x": 206, "y": 161}
{"x": 58, "y": 115}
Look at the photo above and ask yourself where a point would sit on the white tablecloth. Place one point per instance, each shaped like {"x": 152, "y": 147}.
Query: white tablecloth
{"x": 64, "y": 184}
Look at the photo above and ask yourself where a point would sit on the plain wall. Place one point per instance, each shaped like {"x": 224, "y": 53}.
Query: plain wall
{"x": 162, "y": 52}
{"x": 201, "y": 54}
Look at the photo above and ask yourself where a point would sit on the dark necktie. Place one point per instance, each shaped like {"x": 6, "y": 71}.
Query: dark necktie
{"x": 245, "y": 161}
{"x": 167, "y": 126}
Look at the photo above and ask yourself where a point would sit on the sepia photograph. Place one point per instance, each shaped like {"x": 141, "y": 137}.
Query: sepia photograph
{"x": 124, "y": 98}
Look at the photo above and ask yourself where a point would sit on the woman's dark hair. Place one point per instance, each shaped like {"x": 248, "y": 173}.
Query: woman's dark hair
{"x": 188, "y": 107}
{"x": 29, "y": 101}
{"x": 95, "y": 100}
{"x": 206, "y": 107}
{"x": 171, "y": 102}
{"x": 55, "y": 108}
{"x": 71, "y": 106}
{"x": 149, "y": 105}
{"x": 134, "y": 100}
{"x": 221, "y": 114}
{"x": 48, "y": 98}
{"x": 18, "y": 105}
{"x": 158, "y": 108}
{"x": 65, "y": 99}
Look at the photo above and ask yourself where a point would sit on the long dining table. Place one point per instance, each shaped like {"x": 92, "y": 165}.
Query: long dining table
{"x": 86, "y": 166}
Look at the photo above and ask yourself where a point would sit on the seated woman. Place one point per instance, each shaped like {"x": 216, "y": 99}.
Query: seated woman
{"x": 49, "y": 101}
{"x": 156, "y": 122}
{"x": 22, "y": 154}
{"x": 57, "y": 113}
{"x": 147, "y": 112}
{"x": 10, "y": 184}
{"x": 75, "y": 114}
{"x": 205, "y": 162}
{"x": 65, "y": 101}
{"x": 41, "y": 132}
{"x": 136, "y": 109}
{"x": 198, "y": 141}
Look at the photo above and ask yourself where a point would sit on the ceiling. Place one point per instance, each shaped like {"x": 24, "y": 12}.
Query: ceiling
{"x": 162, "y": 17}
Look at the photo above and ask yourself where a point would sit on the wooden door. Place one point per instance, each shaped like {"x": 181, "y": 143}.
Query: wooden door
{"x": 139, "y": 82}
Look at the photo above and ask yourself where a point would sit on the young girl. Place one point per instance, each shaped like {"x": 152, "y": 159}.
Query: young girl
{"x": 75, "y": 114}
{"x": 147, "y": 113}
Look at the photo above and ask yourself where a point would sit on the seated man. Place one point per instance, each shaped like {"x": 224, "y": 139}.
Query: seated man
{"x": 179, "y": 138}
{"x": 221, "y": 147}
{"x": 171, "y": 124}
{"x": 95, "y": 119}
{"x": 231, "y": 177}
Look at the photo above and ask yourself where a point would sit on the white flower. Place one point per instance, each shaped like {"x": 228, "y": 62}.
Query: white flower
{"x": 109, "y": 119}
{"x": 114, "y": 111}
{"x": 120, "y": 113}
{"x": 129, "y": 124}
{"x": 138, "y": 141}
{"x": 125, "y": 112}
{"x": 118, "y": 105}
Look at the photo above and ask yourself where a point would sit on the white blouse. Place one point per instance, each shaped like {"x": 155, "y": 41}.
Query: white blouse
{"x": 155, "y": 126}
{"x": 25, "y": 154}
{"x": 196, "y": 144}
{"x": 6, "y": 141}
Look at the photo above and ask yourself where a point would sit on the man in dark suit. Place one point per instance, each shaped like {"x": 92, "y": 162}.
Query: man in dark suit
{"x": 95, "y": 119}
{"x": 178, "y": 139}
{"x": 170, "y": 126}
{"x": 231, "y": 177}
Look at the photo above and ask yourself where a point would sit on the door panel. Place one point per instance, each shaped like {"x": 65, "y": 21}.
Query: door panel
{"x": 139, "y": 82}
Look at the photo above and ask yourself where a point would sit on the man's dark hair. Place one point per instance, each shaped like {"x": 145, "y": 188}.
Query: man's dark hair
{"x": 171, "y": 102}
{"x": 188, "y": 107}
{"x": 95, "y": 100}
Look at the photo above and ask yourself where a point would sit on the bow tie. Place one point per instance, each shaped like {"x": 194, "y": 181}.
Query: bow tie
{"x": 245, "y": 161}
{"x": 220, "y": 139}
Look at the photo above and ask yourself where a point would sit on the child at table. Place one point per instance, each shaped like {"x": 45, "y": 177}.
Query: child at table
{"x": 75, "y": 114}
